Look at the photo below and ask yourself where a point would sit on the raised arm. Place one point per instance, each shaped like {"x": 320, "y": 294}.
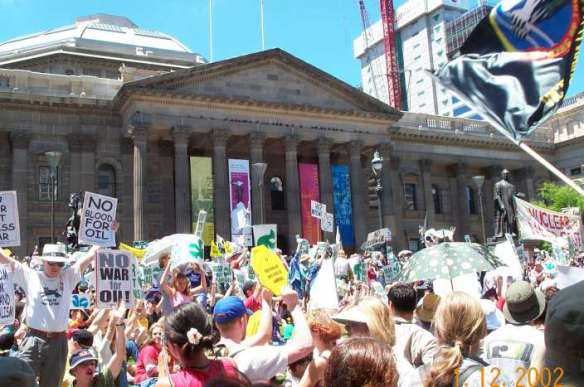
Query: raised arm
{"x": 6, "y": 260}
{"x": 301, "y": 343}
{"x": 264, "y": 333}
{"x": 115, "y": 364}
{"x": 164, "y": 286}
{"x": 84, "y": 262}
{"x": 203, "y": 286}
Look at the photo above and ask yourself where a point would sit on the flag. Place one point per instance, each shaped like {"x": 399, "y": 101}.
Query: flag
{"x": 515, "y": 68}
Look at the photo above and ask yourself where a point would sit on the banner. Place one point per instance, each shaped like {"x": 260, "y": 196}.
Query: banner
{"x": 7, "y": 302}
{"x": 9, "y": 226}
{"x": 202, "y": 195}
{"x": 265, "y": 234}
{"x": 97, "y": 218}
{"x": 309, "y": 191}
{"x": 240, "y": 200}
{"x": 540, "y": 224}
{"x": 342, "y": 203}
{"x": 114, "y": 282}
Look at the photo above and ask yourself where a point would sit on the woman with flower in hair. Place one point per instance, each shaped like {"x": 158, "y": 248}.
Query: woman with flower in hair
{"x": 188, "y": 336}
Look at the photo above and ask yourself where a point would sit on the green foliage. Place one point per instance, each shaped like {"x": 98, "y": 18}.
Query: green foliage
{"x": 555, "y": 197}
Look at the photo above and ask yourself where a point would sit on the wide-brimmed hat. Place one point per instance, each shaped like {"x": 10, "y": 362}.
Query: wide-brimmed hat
{"x": 54, "y": 253}
{"x": 523, "y": 303}
{"x": 350, "y": 315}
{"x": 425, "y": 312}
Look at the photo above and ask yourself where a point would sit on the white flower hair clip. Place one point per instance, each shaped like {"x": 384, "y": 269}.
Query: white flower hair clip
{"x": 194, "y": 336}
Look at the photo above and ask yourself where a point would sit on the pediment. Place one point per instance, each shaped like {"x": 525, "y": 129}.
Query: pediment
{"x": 272, "y": 77}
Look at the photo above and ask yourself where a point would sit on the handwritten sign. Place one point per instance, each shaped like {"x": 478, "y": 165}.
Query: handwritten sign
{"x": 9, "y": 227}
{"x": 327, "y": 222}
{"x": 265, "y": 234}
{"x": 97, "y": 218}
{"x": 317, "y": 210}
{"x": 7, "y": 310}
{"x": 114, "y": 282}
{"x": 269, "y": 269}
{"x": 187, "y": 249}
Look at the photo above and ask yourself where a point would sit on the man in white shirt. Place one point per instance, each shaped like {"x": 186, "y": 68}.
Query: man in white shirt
{"x": 47, "y": 311}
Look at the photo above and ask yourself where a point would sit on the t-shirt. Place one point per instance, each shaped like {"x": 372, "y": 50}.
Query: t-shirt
{"x": 148, "y": 356}
{"x": 197, "y": 378}
{"x": 416, "y": 344}
{"x": 49, "y": 299}
{"x": 102, "y": 379}
{"x": 341, "y": 267}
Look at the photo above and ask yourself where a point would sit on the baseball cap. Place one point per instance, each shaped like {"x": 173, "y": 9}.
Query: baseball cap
{"x": 229, "y": 308}
{"x": 81, "y": 356}
{"x": 83, "y": 337}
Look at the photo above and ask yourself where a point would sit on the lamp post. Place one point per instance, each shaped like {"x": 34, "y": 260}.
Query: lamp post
{"x": 258, "y": 171}
{"x": 479, "y": 181}
{"x": 54, "y": 159}
{"x": 376, "y": 167}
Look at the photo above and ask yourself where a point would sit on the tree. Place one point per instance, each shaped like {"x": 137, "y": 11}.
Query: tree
{"x": 555, "y": 197}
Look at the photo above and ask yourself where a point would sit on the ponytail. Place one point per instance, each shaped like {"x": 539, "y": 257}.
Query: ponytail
{"x": 447, "y": 360}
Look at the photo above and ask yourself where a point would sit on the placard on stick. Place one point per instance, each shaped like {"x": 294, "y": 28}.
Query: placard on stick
{"x": 317, "y": 210}
{"x": 9, "y": 226}
{"x": 7, "y": 310}
{"x": 269, "y": 269}
{"x": 114, "y": 282}
{"x": 97, "y": 218}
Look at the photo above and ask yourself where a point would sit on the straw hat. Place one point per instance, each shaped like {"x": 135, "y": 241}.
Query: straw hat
{"x": 425, "y": 311}
{"x": 54, "y": 253}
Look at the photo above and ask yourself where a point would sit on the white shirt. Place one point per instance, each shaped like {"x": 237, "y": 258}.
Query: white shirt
{"x": 48, "y": 299}
{"x": 341, "y": 267}
{"x": 258, "y": 363}
{"x": 417, "y": 345}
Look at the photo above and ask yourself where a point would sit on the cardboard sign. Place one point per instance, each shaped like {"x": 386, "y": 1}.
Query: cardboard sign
{"x": 187, "y": 249}
{"x": 80, "y": 301}
{"x": 7, "y": 303}
{"x": 214, "y": 253}
{"x": 221, "y": 273}
{"x": 139, "y": 283}
{"x": 269, "y": 269}
{"x": 9, "y": 226}
{"x": 568, "y": 275}
{"x": 327, "y": 222}
{"x": 317, "y": 210}
{"x": 266, "y": 235}
{"x": 200, "y": 223}
{"x": 114, "y": 282}
{"x": 97, "y": 218}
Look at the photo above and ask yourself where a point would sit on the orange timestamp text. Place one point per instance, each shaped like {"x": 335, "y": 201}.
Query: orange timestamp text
{"x": 524, "y": 377}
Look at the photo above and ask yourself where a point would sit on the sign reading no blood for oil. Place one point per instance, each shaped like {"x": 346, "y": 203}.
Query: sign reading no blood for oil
{"x": 269, "y": 269}
{"x": 97, "y": 218}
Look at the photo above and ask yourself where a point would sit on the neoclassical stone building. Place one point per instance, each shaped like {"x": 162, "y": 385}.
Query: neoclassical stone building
{"x": 128, "y": 108}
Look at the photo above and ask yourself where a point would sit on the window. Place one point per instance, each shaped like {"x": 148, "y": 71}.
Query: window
{"x": 410, "y": 196}
{"x": 437, "y": 199}
{"x": 106, "y": 180}
{"x": 471, "y": 198}
{"x": 576, "y": 171}
{"x": 277, "y": 193}
{"x": 45, "y": 183}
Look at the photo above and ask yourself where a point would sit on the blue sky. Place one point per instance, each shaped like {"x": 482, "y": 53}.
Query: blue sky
{"x": 320, "y": 32}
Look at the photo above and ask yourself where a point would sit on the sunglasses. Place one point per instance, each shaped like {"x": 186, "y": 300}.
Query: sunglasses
{"x": 58, "y": 264}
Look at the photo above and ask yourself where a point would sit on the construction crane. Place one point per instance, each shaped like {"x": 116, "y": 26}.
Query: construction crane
{"x": 366, "y": 25}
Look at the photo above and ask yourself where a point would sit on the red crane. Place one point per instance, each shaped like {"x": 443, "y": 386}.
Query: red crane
{"x": 393, "y": 86}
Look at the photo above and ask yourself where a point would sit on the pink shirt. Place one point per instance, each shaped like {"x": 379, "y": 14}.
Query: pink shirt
{"x": 196, "y": 378}
{"x": 148, "y": 356}
{"x": 180, "y": 299}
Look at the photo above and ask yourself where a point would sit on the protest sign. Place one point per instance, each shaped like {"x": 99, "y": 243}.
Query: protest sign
{"x": 200, "y": 223}
{"x": 317, "y": 210}
{"x": 214, "y": 252}
{"x": 9, "y": 226}
{"x": 323, "y": 291}
{"x": 269, "y": 269}
{"x": 139, "y": 283}
{"x": 507, "y": 254}
{"x": 187, "y": 248}
{"x": 7, "y": 303}
{"x": 114, "y": 282}
{"x": 221, "y": 273}
{"x": 265, "y": 234}
{"x": 97, "y": 218}
{"x": 80, "y": 301}
{"x": 327, "y": 222}
{"x": 568, "y": 276}
{"x": 377, "y": 240}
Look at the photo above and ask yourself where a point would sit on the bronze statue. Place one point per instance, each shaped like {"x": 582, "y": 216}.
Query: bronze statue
{"x": 72, "y": 227}
{"x": 504, "y": 206}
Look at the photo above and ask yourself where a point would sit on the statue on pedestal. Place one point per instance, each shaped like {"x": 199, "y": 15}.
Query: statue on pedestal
{"x": 504, "y": 206}
{"x": 72, "y": 227}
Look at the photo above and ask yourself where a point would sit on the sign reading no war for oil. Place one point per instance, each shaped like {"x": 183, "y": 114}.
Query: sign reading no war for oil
{"x": 114, "y": 280}
{"x": 97, "y": 218}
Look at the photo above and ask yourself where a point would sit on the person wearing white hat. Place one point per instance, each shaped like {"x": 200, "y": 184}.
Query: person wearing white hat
{"x": 49, "y": 296}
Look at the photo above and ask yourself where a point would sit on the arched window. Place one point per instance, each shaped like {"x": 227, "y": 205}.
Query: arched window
{"x": 471, "y": 198}
{"x": 277, "y": 193}
{"x": 106, "y": 180}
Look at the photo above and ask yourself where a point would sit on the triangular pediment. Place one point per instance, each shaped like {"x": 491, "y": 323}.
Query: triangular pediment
{"x": 272, "y": 77}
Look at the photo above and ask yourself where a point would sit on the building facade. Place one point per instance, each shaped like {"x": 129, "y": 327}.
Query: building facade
{"x": 138, "y": 138}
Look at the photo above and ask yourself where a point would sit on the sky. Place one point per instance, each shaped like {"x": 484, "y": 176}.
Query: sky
{"x": 320, "y": 32}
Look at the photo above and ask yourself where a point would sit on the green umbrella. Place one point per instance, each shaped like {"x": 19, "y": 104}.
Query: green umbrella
{"x": 448, "y": 260}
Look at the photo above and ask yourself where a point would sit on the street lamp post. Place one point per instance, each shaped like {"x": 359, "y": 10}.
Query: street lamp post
{"x": 479, "y": 181}
{"x": 54, "y": 159}
{"x": 376, "y": 167}
{"x": 258, "y": 171}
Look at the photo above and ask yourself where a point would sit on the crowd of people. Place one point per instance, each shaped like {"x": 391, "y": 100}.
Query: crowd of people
{"x": 189, "y": 330}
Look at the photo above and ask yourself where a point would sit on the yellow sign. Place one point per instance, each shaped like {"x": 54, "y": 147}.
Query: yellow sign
{"x": 228, "y": 248}
{"x": 269, "y": 269}
{"x": 138, "y": 253}
{"x": 7, "y": 252}
{"x": 214, "y": 250}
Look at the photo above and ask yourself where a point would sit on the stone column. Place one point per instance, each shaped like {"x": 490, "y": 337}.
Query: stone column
{"x": 20, "y": 142}
{"x": 88, "y": 144}
{"x": 463, "y": 210}
{"x": 256, "y": 147}
{"x": 528, "y": 175}
{"x": 181, "y": 180}
{"x": 292, "y": 188}
{"x": 220, "y": 183}
{"x": 426, "y": 169}
{"x": 140, "y": 137}
{"x": 75, "y": 151}
{"x": 399, "y": 241}
{"x": 357, "y": 190}
{"x": 493, "y": 174}
{"x": 326, "y": 180}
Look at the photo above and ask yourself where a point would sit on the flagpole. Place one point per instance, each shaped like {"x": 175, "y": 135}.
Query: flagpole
{"x": 262, "y": 23}
{"x": 210, "y": 30}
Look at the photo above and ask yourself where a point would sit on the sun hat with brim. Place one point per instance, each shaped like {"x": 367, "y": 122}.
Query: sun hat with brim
{"x": 54, "y": 253}
{"x": 350, "y": 315}
{"x": 81, "y": 356}
{"x": 523, "y": 303}
{"x": 425, "y": 312}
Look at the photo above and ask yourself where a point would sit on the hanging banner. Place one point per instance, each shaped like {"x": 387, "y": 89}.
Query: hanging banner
{"x": 97, "y": 219}
{"x": 9, "y": 226}
{"x": 309, "y": 191}
{"x": 202, "y": 195}
{"x": 7, "y": 302}
{"x": 265, "y": 234}
{"x": 540, "y": 224}
{"x": 114, "y": 282}
{"x": 342, "y": 203}
{"x": 240, "y": 199}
